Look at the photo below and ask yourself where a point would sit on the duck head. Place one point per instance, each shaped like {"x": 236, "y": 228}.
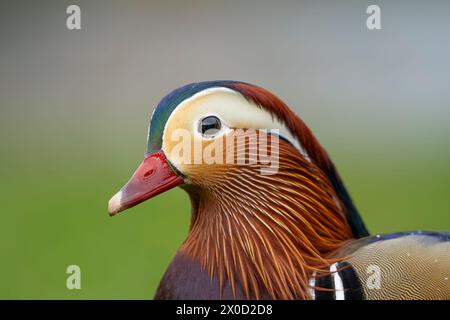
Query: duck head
{"x": 268, "y": 206}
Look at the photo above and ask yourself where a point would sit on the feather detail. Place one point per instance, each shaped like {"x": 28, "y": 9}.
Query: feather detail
{"x": 265, "y": 234}
{"x": 313, "y": 148}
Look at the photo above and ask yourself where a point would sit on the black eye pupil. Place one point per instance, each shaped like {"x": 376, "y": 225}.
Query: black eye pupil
{"x": 210, "y": 125}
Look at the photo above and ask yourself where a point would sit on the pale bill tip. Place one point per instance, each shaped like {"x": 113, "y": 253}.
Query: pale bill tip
{"x": 114, "y": 205}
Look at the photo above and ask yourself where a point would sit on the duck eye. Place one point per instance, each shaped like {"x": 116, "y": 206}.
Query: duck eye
{"x": 209, "y": 126}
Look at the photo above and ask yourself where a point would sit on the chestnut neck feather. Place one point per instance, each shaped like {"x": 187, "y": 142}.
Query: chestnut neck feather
{"x": 268, "y": 101}
{"x": 266, "y": 234}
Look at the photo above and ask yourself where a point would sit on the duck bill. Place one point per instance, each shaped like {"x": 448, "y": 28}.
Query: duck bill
{"x": 153, "y": 176}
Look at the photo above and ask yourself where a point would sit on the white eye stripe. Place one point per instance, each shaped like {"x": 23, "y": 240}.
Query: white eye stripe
{"x": 239, "y": 112}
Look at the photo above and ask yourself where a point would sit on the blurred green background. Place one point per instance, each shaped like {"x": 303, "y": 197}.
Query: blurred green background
{"x": 75, "y": 106}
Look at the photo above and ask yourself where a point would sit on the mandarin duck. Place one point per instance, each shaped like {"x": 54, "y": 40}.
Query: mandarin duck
{"x": 276, "y": 223}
